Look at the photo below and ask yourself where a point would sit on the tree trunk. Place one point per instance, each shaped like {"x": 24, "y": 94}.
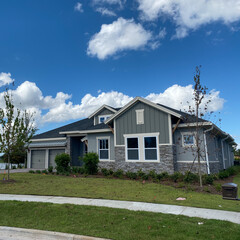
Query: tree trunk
{"x": 8, "y": 176}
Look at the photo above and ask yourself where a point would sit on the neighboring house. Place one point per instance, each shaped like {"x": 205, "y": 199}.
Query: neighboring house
{"x": 140, "y": 135}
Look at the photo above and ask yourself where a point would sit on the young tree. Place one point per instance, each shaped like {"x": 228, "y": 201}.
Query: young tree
{"x": 16, "y": 129}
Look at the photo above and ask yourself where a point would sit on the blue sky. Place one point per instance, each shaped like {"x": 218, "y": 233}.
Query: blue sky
{"x": 69, "y": 57}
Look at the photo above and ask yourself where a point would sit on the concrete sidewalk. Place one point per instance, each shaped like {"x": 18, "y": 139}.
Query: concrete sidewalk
{"x": 134, "y": 206}
{"x": 12, "y": 233}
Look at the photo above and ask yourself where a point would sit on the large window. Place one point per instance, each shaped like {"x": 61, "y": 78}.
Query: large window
{"x": 132, "y": 149}
{"x": 150, "y": 148}
{"x": 142, "y": 147}
{"x": 188, "y": 140}
{"x": 103, "y": 149}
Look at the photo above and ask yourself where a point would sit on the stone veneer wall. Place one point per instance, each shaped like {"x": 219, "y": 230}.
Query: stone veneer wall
{"x": 166, "y": 164}
{"x": 185, "y": 166}
{"x": 214, "y": 167}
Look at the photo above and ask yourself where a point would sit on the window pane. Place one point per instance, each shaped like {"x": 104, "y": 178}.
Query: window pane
{"x": 103, "y": 154}
{"x": 100, "y": 144}
{"x": 101, "y": 119}
{"x": 132, "y": 142}
{"x": 150, "y": 142}
{"x": 133, "y": 155}
{"x": 106, "y": 143}
{"x": 150, "y": 154}
{"x": 188, "y": 139}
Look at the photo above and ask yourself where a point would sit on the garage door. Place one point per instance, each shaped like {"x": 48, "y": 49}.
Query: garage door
{"x": 38, "y": 159}
{"x": 52, "y": 154}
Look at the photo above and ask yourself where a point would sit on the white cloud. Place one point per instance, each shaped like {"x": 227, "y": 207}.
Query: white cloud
{"x": 5, "y": 79}
{"x": 118, "y": 36}
{"x": 162, "y": 33}
{"x": 106, "y": 12}
{"x": 49, "y": 109}
{"x": 78, "y": 7}
{"x": 180, "y": 97}
{"x": 191, "y": 14}
{"x": 111, "y": 2}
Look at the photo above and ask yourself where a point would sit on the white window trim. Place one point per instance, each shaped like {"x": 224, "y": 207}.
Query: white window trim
{"x": 188, "y": 145}
{"x": 157, "y": 148}
{"x": 126, "y": 150}
{"x": 109, "y": 147}
{"x": 104, "y": 116}
{"x": 137, "y": 120}
{"x": 141, "y": 149}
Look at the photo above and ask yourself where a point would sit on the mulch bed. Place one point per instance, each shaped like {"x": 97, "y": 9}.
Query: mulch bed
{"x": 8, "y": 181}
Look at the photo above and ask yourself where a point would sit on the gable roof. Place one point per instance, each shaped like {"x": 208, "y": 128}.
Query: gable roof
{"x": 157, "y": 106}
{"x": 82, "y": 125}
{"x": 114, "y": 110}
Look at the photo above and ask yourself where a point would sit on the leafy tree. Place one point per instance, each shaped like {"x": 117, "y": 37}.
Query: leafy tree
{"x": 16, "y": 129}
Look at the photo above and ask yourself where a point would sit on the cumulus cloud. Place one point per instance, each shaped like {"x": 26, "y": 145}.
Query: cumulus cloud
{"x": 191, "y": 14}
{"x": 5, "y": 79}
{"x": 78, "y": 7}
{"x": 106, "y": 12}
{"x": 118, "y": 36}
{"x": 49, "y": 109}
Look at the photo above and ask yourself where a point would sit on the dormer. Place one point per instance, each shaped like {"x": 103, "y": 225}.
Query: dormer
{"x": 102, "y": 114}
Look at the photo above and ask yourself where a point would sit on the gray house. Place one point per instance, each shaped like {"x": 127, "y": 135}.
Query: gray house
{"x": 140, "y": 135}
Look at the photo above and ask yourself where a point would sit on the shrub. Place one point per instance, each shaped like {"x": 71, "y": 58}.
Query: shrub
{"x": 152, "y": 174}
{"x": 165, "y": 175}
{"x": 62, "y": 162}
{"x": 105, "y": 172}
{"x": 208, "y": 179}
{"x": 31, "y": 171}
{"x": 144, "y": 177}
{"x": 131, "y": 175}
{"x": 110, "y": 172}
{"x": 14, "y": 167}
{"x": 223, "y": 174}
{"x": 38, "y": 171}
{"x": 74, "y": 170}
{"x": 177, "y": 176}
{"x": 91, "y": 161}
{"x": 118, "y": 173}
{"x": 20, "y": 166}
{"x": 50, "y": 169}
{"x": 159, "y": 176}
{"x": 81, "y": 170}
{"x": 190, "y": 177}
{"x": 232, "y": 171}
{"x": 45, "y": 171}
{"x": 218, "y": 187}
{"x": 140, "y": 173}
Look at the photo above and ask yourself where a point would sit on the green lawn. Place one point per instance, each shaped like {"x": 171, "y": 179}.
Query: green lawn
{"x": 103, "y": 188}
{"x": 112, "y": 223}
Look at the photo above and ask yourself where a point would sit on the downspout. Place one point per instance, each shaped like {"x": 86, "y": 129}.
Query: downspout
{"x": 206, "y": 150}
{"x": 223, "y": 157}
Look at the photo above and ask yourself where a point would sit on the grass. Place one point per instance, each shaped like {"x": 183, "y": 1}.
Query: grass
{"x": 117, "y": 189}
{"x": 112, "y": 223}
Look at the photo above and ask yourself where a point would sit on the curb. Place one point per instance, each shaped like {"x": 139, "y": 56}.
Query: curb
{"x": 29, "y": 234}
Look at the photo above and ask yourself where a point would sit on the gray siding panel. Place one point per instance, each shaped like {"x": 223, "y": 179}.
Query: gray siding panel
{"x": 92, "y": 143}
{"x": 154, "y": 121}
{"x": 103, "y": 112}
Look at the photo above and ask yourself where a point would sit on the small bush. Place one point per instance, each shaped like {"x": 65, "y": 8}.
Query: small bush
{"x": 140, "y": 173}
{"x": 190, "y": 177}
{"x": 206, "y": 189}
{"x": 105, "y": 172}
{"x": 232, "y": 171}
{"x": 91, "y": 161}
{"x": 165, "y": 175}
{"x": 223, "y": 174}
{"x": 81, "y": 170}
{"x": 218, "y": 187}
{"x": 110, "y": 172}
{"x": 159, "y": 176}
{"x": 144, "y": 177}
{"x": 131, "y": 175}
{"x": 176, "y": 177}
{"x": 62, "y": 162}
{"x": 31, "y": 171}
{"x": 50, "y": 169}
{"x": 208, "y": 179}
{"x": 152, "y": 174}
{"x": 14, "y": 167}
{"x": 38, "y": 171}
{"x": 74, "y": 170}
{"x": 20, "y": 166}
{"x": 118, "y": 173}
{"x": 45, "y": 171}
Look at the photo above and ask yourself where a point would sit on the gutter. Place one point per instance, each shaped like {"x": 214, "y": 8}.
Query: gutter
{"x": 206, "y": 150}
{"x": 223, "y": 157}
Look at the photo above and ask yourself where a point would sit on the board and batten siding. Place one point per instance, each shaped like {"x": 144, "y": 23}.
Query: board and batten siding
{"x": 92, "y": 143}
{"x": 154, "y": 121}
{"x": 103, "y": 112}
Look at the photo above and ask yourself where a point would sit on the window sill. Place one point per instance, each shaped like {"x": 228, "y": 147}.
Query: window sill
{"x": 143, "y": 161}
{"x": 106, "y": 160}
